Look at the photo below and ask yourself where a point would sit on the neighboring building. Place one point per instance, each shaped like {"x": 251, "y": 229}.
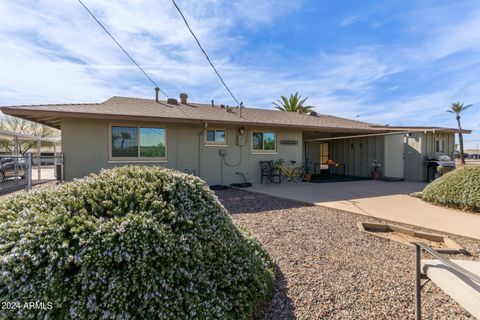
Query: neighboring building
{"x": 217, "y": 142}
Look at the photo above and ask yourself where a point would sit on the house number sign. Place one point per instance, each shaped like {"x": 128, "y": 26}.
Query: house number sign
{"x": 289, "y": 142}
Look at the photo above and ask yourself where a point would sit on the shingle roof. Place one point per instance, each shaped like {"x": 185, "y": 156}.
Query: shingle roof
{"x": 192, "y": 112}
{"x": 135, "y": 107}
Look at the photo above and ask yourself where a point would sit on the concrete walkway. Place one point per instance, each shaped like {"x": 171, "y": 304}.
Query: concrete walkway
{"x": 379, "y": 199}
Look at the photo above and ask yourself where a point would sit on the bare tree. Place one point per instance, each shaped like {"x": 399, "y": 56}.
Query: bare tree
{"x": 26, "y": 127}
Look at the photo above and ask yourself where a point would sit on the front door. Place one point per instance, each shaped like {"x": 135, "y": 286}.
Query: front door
{"x": 324, "y": 152}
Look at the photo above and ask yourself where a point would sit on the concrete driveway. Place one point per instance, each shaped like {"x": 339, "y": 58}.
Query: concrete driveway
{"x": 379, "y": 199}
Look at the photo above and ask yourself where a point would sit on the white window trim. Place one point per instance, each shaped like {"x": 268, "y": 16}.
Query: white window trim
{"x": 263, "y": 151}
{"x": 136, "y": 159}
{"x": 216, "y": 143}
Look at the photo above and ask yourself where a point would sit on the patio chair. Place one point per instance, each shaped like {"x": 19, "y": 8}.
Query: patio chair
{"x": 269, "y": 172}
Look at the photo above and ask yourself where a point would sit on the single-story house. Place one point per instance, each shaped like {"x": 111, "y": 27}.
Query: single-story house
{"x": 219, "y": 142}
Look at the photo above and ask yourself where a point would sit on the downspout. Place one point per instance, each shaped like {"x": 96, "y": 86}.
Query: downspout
{"x": 200, "y": 134}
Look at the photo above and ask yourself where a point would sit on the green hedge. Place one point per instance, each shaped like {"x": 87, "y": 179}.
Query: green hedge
{"x": 459, "y": 188}
{"x": 129, "y": 243}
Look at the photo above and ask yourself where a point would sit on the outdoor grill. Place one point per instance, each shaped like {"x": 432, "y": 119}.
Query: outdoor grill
{"x": 435, "y": 161}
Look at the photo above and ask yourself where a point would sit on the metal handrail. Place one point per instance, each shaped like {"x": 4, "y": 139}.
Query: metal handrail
{"x": 418, "y": 285}
{"x": 449, "y": 263}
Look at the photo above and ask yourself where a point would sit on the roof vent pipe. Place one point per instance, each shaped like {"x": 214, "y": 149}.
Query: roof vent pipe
{"x": 156, "y": 93}
{"x": 183, "y": 98}
{"x": 213, "y": 103}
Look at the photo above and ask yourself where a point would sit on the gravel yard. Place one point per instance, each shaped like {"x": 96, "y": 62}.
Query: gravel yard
{"x": 327, "y": 269}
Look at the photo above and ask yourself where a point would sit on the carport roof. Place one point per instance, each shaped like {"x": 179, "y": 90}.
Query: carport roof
{"x": 422, "y": 128}
{"x": 126, "y": 108}
{"x": 10, "y": 135}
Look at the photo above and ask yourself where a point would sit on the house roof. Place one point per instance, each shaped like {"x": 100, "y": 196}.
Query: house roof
{"x": 125, "y": 108}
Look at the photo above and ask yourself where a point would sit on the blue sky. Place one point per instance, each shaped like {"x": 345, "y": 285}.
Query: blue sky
{"x": 389, "y": 62}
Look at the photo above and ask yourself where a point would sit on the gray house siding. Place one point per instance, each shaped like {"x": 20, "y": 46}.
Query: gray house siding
{"x": 85, "y": 144}
{"x": 415, "y": 157}
{"x": 420, "y": 146}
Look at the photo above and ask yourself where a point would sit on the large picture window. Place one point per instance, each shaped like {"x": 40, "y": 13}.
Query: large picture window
{"x": 138, "y": 142}
{"x": 264, "y": 141}
{"x": 124, "y": 142}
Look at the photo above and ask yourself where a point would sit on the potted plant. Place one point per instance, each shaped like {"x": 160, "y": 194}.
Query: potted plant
{"x": 307, "y": 176}
{"x": 376, "y": 169}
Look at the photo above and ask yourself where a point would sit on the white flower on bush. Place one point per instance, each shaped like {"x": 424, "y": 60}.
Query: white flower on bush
{"x": 130, "y": 243}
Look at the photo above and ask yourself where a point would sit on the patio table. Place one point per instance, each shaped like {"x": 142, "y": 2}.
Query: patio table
{"x": 332, "y": 168}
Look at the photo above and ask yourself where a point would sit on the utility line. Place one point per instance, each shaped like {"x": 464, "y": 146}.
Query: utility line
{"x": 204, "y": 52}
{"x": 120, "y": 46}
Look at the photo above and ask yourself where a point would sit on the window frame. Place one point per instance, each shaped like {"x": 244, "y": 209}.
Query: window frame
{"x": 216, "y": 143}
{"x": 138, "y": 158}
{"x": 263, "y": 145}
{"x": 441, "y": 142}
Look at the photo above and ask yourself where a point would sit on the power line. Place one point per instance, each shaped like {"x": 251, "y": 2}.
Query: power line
{"x": 204, "y": 52}
{"x": 120, "y": 46}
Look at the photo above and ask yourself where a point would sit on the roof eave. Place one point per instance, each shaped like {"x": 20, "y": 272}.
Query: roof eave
{"x": 425, "y": 129}
{"x": 53, "y": 119}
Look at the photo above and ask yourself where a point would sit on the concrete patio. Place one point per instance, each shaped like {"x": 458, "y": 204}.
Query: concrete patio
{"x": 379, "y": 199}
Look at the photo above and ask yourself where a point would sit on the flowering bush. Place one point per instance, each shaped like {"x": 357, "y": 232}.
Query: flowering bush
{"x": 131, "y": 242}
{"x": 459, "y": 188}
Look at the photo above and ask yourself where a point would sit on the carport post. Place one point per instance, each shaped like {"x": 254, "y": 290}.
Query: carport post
{"x": 29, "y": 171}
{"x": 39, "y": 155}
{"x": 15, "y": 153}
{"x": 62, "y": 171}
{"x": 55, "y": 159}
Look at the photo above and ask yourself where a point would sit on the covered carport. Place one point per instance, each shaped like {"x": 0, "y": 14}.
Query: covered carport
{"x": 16, "y": 166}
{"x": 353, "y": 154}
{"x": 394, "y": 153}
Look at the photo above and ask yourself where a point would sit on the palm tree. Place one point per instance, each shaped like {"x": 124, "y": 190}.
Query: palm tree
{"x": 293, "y": 104}
{"x": 457, "y": 108}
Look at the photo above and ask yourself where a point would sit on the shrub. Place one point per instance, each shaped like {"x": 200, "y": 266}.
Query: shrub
{"x": 131, "y": 242}
{"x": 459, "y": 188}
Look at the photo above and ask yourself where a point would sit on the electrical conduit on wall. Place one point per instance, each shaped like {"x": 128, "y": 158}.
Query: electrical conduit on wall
{"x": 223, "y": 153}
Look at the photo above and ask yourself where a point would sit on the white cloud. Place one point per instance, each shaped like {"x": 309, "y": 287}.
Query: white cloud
{"x": 53, "y": 52}
{"x": 345, "y": 22}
